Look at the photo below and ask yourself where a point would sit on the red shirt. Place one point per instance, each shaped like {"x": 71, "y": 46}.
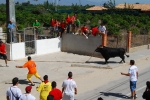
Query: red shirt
{"x": 56, "y": 93}
{"x": 52, "y": 23}
{"x": 73, "y": 19}
{"x": 2, "y": 48}
{"x": 94, "y": 31}
{"x": 84, "y": 29}
{"x": 68, "y": 19}
{"x": 63, "y": 25}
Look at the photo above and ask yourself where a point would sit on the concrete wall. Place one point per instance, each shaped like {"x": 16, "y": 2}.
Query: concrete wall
{"x": 48, "y": 46}
{"x": 15, "y": 51}
{"x": 78, "y": 44}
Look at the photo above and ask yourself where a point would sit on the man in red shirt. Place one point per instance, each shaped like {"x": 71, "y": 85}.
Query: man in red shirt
{"x": 63, "y": 28}
{"x": 85, "y": 31}
{"x": 95, "y": 31}
{"x": 3, "y": 52}
{"x": 68, "y": 20}
{"x": 56, "y": 93}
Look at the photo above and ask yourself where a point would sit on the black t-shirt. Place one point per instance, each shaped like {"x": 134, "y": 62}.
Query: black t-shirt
{"x": 146, "y": 95}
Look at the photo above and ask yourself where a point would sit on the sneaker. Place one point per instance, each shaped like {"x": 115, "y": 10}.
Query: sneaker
{"x": 86, "y": 37}
{"x": 135, "y": 96}
{"x": 7, "y": 66}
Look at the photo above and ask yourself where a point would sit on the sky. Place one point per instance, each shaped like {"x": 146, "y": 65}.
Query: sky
{"x": 83, "y": 2}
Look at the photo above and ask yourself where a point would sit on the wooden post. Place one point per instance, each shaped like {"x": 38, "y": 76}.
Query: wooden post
{"x": 104, "y": 40}
{"x": 129, "y": 41}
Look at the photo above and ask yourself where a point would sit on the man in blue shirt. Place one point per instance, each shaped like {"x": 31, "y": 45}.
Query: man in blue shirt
{"x": 11, "y": 29}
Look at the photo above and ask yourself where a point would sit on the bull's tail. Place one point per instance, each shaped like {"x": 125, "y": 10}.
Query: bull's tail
{"x": 127, "y": 55}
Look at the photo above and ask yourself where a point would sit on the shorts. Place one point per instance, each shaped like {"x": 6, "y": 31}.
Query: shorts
{"x": 3, "y": 55}
{"x": 132, "y": 85}
{"x": 68, "y": 96}
{"x": 30, "y": 75}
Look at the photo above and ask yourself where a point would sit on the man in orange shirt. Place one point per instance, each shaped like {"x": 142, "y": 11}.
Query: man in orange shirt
{"x": 3, "y": 51}
{"x": 32, "y": 70}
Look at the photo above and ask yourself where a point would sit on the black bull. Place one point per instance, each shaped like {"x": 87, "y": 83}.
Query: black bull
{"x": 112, "y": 52}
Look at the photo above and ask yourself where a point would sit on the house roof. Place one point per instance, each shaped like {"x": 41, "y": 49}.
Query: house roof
{"x": 143, "y": 7}
{"x": 96, "y": 8}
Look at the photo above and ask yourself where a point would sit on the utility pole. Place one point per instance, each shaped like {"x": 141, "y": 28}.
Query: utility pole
{"x": 10, "y": 16}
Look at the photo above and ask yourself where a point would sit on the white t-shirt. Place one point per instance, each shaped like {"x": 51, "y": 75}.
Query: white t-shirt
{"x": 132, "y": 71}
{"x": 102, "y": 29}
{"x": 27, "y": 97}
{"x": 16, "y": 91}
{"x": 69, "y": 86}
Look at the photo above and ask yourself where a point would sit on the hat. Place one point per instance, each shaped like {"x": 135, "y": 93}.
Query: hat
{"x": 28, "y": 88}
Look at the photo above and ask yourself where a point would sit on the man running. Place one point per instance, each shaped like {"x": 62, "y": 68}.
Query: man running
{"x": 3, "y": 52}
{"x": 32, "y": 70}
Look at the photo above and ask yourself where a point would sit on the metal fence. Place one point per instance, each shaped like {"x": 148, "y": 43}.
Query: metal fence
{"x": 138, "y": 40}
{"x": 31, "y": 34}
{"x": 117, "y": 41}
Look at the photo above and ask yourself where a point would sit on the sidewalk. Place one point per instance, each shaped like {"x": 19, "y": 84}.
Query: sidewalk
{"x": 57, "y": 66}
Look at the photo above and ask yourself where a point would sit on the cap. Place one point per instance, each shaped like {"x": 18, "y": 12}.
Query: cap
{"x": 28, "y": 88}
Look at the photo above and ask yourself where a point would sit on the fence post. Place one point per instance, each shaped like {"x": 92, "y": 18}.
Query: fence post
{"x": 104, "y": 39}
{"x": 129, "y": 36}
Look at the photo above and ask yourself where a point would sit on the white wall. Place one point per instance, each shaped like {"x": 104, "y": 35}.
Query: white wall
{"x": 48, "y": 46}
{"x": 15, "y": 51}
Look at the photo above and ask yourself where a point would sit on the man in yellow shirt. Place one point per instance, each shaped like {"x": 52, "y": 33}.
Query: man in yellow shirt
{"x": 44, "y": 88}
{"x": 32, "y": 70}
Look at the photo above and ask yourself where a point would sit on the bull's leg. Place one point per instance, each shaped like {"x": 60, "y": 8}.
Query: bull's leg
{"x": 106, "y": 60}
{"x": 122, "y": 59}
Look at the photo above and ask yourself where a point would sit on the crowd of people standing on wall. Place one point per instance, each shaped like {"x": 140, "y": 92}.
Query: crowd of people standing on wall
{"x": 72, "y": 25}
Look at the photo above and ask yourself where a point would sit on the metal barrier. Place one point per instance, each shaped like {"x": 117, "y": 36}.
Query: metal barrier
{"x": 117, "y": 41}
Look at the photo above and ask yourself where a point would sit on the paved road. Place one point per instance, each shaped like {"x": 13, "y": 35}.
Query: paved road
{"x": 118, "y": 90}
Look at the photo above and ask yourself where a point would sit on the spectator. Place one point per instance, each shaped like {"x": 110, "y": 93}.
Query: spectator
{"x": 146, "y": 94}
{"x": 32, "y": 70}
{"x": 57, "y": 26}
{"x": 50, "y": 97}
{"x": 27, "y": 95}
{"x": 52, "y": 23}
{"x": 102, "y": 29}
{"x": 73, "y": 18}
{"x": 69, "y": 88}
{"x": 99, "y": 98}
{"x": 55, "y": 92}
{"x": 95, "y": 30}
{"x": 44, "y": 88}
{"x": 68, "y": 20}
{"x": 11, "y": 29}
{"x": 3, "y": 52}
{"x": 77, "y": 25}
{"x": 133, "y": 74}
{"x": 85, "y": 31}
{"x": 36, "y": 25}
{"x": 63, "y": 28}
{"x": 13, "y": 92}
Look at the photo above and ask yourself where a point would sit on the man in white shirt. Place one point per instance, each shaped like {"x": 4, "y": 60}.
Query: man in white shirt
{"x": 133, "y": 73}
{"x": 27, "y": 95}
{"x": 69, "y": 88}
{"x": 13, "y": 92}
{"x": 102, "y": 29}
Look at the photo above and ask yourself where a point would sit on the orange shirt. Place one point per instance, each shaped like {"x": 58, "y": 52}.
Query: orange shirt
{"x": 31, "y": 67}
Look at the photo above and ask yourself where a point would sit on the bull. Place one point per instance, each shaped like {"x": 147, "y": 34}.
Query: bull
{"x": 108, "y": 52}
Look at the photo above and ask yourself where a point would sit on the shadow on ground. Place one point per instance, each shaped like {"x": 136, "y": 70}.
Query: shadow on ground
{"x": 119, "y": 95}
{"x": 101, "y": 62}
